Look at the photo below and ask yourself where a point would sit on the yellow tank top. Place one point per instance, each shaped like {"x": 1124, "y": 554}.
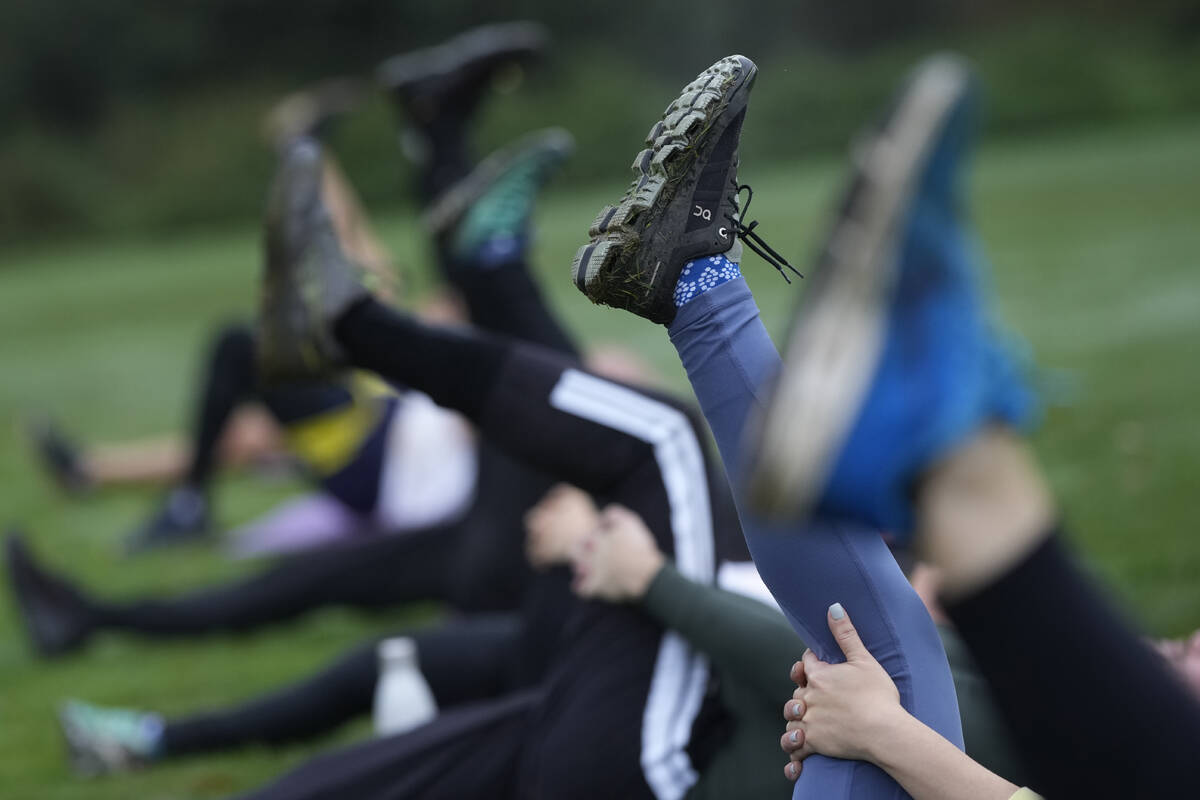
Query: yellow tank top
{"x": 328, "y": 441}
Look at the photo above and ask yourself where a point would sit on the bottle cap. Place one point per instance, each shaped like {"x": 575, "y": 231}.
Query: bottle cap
{"x": 398, "y": 648}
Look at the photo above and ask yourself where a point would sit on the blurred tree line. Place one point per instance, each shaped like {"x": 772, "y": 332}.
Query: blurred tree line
{"x": 132, "y": 114}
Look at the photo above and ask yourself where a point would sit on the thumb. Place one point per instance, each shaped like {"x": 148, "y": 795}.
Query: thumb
{"x": 843, "y": 630}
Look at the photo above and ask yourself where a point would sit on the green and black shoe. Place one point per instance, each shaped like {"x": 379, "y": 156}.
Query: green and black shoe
{"x": 449, "y": 79}
{"x": 308, "y": 281}
{"x": 682, "y": 204}
{"x": 493, "y": 204}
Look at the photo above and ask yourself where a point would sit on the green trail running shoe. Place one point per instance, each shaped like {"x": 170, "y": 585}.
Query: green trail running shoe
{"x": 682, "y": 204}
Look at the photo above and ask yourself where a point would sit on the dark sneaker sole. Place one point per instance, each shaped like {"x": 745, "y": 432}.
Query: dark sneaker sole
{"x": 489, "y": 43}
{"x": 838, "y": 333}
{"x": 449, "y": 208}
{"x": 606, "y": 269}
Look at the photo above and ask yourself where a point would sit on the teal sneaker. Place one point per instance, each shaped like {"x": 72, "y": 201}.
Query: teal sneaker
{"x": 892, "y": 360}
{"x": 308, "y": 281}
{"x": 484, "y": 218}
{"x": 682, "y": 204}
{"x": 103, "y": 740}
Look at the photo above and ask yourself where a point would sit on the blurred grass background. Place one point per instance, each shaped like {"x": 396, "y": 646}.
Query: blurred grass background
{"x": 131, "y": 177}
{"x": 117, "y": 117}
{"x": 1093, "y": 240}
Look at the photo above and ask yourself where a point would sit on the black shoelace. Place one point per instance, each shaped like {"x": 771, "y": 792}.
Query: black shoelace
{"x": 751, "y": 237}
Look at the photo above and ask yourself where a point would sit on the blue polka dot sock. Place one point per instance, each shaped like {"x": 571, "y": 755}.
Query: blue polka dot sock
{"x": 499, "y": 251}
{"x": 703, "y": 274}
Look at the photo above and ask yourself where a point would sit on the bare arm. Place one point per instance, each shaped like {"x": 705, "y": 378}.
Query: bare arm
{"x": 930, "y": 768}
{"x": 852, "y": 710}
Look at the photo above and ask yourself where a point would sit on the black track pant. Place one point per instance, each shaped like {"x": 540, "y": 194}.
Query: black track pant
{"x": 578, "y": 737}
{"x": 463, "y": 660}
{"x": 1094, "y": 710}
{"x": 468, "y": 752}
{"x": 639, "y": 689}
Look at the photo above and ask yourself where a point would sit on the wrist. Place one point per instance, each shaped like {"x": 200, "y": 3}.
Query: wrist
{"x": 643, "y": 575}
{"x": 890, "y": 728}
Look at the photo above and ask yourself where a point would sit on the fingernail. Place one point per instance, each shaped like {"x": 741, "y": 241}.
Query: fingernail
{"x": 836, "y": 611}
{"x": 795, "y": 737}
{"x": 792, "y": 770}
{"x": 796, "y": 709}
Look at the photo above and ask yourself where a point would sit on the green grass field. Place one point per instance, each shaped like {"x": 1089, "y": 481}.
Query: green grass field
{"x": 1095, "y": 241}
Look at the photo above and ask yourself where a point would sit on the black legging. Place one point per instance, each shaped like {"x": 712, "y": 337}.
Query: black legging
{"x": 475, "y": 564}
{"x": 463, "y": 660}
{"x": 230, "y": 379}
{"x": 1094, "y": 710}
{"x": 472, "y": 751}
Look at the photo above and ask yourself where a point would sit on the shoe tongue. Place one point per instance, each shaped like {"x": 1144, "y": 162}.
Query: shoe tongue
{"x": 734, "y": 253}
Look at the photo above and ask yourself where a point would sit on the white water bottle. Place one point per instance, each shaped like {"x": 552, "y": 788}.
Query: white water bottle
{"x": 403, "y": 699}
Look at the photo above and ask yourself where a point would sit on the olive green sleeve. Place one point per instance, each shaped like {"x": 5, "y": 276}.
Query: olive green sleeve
{"x": 747, "y": 640}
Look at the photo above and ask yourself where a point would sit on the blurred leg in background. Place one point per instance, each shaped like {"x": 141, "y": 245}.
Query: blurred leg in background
{"x": 462, "y": 661}
{"x": 251, "y": 439}
{"x": 438, "y": 91}
{"x": 443, "y": 760}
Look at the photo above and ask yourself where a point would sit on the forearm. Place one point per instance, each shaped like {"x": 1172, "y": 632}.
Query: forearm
{"x": 930, "y": 768}
{"x": 745, "y": 639}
